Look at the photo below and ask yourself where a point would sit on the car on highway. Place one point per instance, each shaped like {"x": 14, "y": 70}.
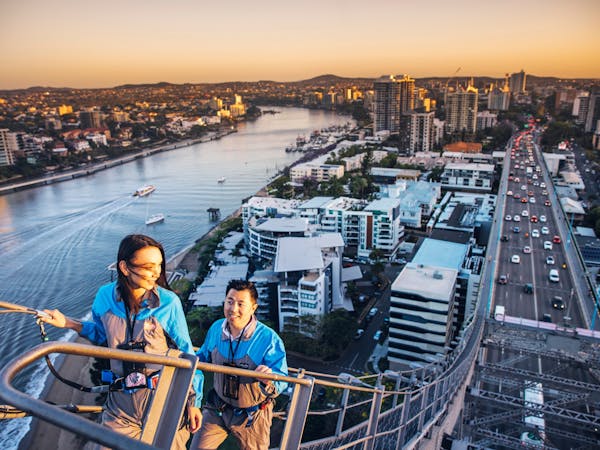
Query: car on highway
{"x": 516, "y": 230}
{"x": 530, "y": 193}
{"x": 517, "y": 218}
{"x": 547, "y": 318}
{"x": 509, "y": 193}
{"x": 504, "y": 238}
{"x": 545, "y": 230}
{"x": 557, "y": 302}
{"x": 531, "y": 199}
{"x": 535, "y": 233}
{"x": 550, "y": 260}
{"x": 553, "y": 276}
{"x": 533, "y": 219}
{"x": 543, "y": 218}
{"x": 525, "y": 213}
{"x": 527, "y": 249}
{"x": 373, "y": 312}
{"x": 515, "y": 259}
{"x": 547, "y": 245}
{"x": 543, "y": 185}
{"x": 359, "y": 333}
{"x": 528, "y": 288}
{"x": 524, "y": 200}
{"x": 508, "y": 218}
{"x": 544, "y": 192}
{"x": 377, "y": 335}
{"x": 523, "y": 188}
{"x": 556, "y": 239}
{"x": 548, "y": 203}
{"x": 503, "y": 279}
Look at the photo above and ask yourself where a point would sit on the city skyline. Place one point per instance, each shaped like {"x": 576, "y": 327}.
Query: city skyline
{"x": 68, "y": 44}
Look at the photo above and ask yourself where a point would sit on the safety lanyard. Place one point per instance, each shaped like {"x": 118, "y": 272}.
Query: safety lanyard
{"x": 130, "y": 322}
{"x": 233, "y": 351}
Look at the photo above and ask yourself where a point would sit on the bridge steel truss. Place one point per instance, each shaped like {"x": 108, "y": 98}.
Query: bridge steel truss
{"x": 494, "y": 405}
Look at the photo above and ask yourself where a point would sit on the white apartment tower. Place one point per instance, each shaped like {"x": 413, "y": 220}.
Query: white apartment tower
{"x": 421, "y": 132}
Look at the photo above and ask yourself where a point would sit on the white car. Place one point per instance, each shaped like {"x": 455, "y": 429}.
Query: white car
{"x": 535, "y": 233}
{"x": 545, "y": 230}
{"x": 547, "y": 245}
{"x": 377, "y": 335}
{"x": 508, "y": 218}
{"x": 527, "y": 249}
{"x": 525, "y": 213}
{"x": 523, "y": 188}
{"x": 553, "y": 276}
{"x": 515, "y": 259}
{"x": 532, "y": 200}
{"x": 542, "y": 218}
{"x": 550, "y": 260}
{"x": 517, "y": 218}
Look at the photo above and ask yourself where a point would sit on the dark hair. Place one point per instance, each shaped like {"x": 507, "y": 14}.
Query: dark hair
{"x": 129, "y": 245}
{"x": 243, "y": 285}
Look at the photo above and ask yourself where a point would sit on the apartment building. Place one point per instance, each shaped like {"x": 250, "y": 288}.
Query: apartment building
{"x": 315, "y": 172}
{"x": 422, "y": 132}
{"x": 7, "y": 157}
{"x": 380, "y": 228}
{"x": 393, "y": 98}
{"x": 461, "y": 110}
{"x": 421, "y": 305}
{"x": 468, "y": 176}
{"x": 310, "y": 278}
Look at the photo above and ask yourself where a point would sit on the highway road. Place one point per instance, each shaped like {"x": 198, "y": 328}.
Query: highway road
{"x": 530, "y": 235}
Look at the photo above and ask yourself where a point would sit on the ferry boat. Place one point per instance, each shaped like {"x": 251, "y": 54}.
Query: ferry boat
{"x": 144, "y": 190}
{"x": 221, "y": 180}
{"x": 155, "y": 218}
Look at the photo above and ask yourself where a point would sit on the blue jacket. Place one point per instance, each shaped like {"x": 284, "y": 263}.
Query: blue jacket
{"x": 161, "y": 312}
{"x": 259, "y": 345}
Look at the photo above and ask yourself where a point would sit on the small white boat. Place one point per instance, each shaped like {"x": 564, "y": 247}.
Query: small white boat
{"x": 221, "y": 180}
{"x": 155, "y": 218}
{"x": 144, "y": 190}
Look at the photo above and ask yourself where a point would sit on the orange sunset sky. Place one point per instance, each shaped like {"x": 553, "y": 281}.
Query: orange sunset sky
{"x": 85, "y": 44}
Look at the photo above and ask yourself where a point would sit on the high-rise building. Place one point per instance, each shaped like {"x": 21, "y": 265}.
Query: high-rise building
{"x": 593, "y": 113}
{"x": 499, "y": 98}
{"x": 6, "y": 155}
{"x": 580, "y": 107}
{"x": 421, "y": 132}
{"x": 518, "y": 82}
{"x": 461, "y": 110}
{"x": 394, "y": 97}
{"x": 90, "y": 118}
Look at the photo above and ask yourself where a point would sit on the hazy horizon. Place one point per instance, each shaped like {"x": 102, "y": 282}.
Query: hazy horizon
{"x": 80, "y": 45}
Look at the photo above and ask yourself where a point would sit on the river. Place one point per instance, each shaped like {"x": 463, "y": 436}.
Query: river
{"x": 56, "y": 241}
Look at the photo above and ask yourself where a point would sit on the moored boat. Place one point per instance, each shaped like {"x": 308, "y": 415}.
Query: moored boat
{"x": 221, "y": 180}
{"x": 144, "y": 190}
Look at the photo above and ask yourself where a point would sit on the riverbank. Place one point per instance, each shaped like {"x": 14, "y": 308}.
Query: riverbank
{"x": 91, "y": 169}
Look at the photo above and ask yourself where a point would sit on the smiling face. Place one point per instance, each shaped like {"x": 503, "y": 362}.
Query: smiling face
{"x": 143, "y": 269}
{"x": 238, "y": 309}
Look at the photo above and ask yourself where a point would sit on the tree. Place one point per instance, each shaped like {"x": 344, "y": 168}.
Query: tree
{"x": 358, "y": 186}
{"x": 335, "y": 187}
{"x": 309, "y": 187}
{"x": 367, "y": 163}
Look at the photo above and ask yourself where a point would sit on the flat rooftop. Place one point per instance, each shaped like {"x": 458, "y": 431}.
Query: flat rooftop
{"x": 433, "y": 252}
{"x": 430, "y": 282}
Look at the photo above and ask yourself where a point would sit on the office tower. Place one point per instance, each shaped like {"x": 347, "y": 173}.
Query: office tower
{"x": 518, "y": 82}
{"x": 461, "y": 110}
{"x": 421, "y": 132}
{"x": 90, "y": 118}
{"x": 394, "y": 97}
